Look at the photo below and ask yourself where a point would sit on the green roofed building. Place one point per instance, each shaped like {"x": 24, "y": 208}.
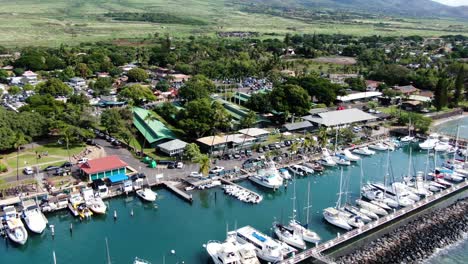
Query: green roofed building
{"x": 154, "y": 131}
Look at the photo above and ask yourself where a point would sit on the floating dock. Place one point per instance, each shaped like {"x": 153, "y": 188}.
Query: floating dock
{"x": 172, "y": 186}
{"x": 317, "y": 252}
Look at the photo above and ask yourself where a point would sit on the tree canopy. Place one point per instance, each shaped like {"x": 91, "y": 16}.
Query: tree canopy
{"x": 54, "y": 87}
{"x": 137, "y": 75}
{"x": 199, "y": 86}
{"x": 137, "y": 94}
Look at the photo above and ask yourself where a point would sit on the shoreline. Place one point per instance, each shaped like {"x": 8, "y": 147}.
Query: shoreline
{"x": 419, "y": 240}
{"x": 445, "y": 120}
{"x": 439, "y": 252}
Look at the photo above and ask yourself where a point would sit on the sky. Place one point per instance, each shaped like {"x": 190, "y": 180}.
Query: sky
{"x": 453, "y": 2}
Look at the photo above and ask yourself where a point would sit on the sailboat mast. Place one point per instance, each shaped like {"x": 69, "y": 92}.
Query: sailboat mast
{"x": 108, "y": 254}
{"x": 456, "y": 145}
{"x": 409, "y": 162}
{"x": 294, "y": 200}
{"x": 338, "y": 203}
{"x": 360, "y": 180}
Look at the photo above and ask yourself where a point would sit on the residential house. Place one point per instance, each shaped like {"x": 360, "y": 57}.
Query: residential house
{"x": 406, "y": 90}
{"x": 110, "y": 167}
{"x": 173, "y": 147}
{"x": 372, "y": 85}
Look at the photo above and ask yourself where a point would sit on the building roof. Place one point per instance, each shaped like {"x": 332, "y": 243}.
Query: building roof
{"x": 373, "y": 84}
{"x": 173, "y": 145}
{"x": 298, "y": 125}
{"x": 238, "y": 138}
{"x": 29, "y": 74}
{"x": 254, "y": 132}
{"x": 406, "y": 89}
{"x": 152, "y": 130}
{"x": 102, "y": 164}
{"x": 212, "y": 140}
{"x": 340, "y": 117}
{"x": 317, "y": 110}
{"x": 420, "y": 98}
{"x": 358, "y": 96}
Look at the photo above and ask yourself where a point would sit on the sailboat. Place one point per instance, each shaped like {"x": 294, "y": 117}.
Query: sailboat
{"x": 335, "y": 217}
{"x": 287, "y": 234}
{"x": 408, "y": 138}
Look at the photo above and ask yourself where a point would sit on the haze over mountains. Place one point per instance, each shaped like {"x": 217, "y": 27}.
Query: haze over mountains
{"x": 413, "y": 8}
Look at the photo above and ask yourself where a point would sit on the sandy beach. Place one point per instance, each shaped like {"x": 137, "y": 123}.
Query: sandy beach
{"x": 444, "y": 120}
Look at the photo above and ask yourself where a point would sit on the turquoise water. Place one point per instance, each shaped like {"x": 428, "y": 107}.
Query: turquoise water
{"x": 454, "y": 254}
{"x": 450, "y": 127}
{"x": 176, "y": 225}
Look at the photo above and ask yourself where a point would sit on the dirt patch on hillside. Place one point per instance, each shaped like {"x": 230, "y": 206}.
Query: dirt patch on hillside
{"x": 336, "y": 60}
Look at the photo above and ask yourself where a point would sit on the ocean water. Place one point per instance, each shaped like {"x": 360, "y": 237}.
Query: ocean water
{"x": 456, "y": 253}
{"x": 172, "y": 224}
{"x": 450, "y": 127}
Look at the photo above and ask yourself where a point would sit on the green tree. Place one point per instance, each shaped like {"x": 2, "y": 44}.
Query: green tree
{"x": 290, "y": 98}
{"x": 199, "y": 86}
{"x": 260, "y": 102}
{"x": 192, "y": 152}
{"x": 249, "y": 120}
{"x": 163, "y": 86}
{"x": 357, "y": 84}
{"x": 168, "y": 111}
{"x": 3, "y": 76}
{"x": 82, "y": 70}
{"x": 205, "y": 164}
{"x": 137, "y": 94}
{"x": 441, "y": 94}
{"x": 102, "y": 86}
{"x": 14, "y": 90}
{"x": 137, "y": 75}
{"x": 111, "y": 120}
{"x": 54, "y": 87}
{"x": 459, "y": 85}
{"x": 323, "y": 137}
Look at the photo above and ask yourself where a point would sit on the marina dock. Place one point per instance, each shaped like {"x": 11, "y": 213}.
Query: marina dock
{"x": 172, "y": 186}
{"x": 238, "y": 186}
{"x": 318, "y": 251}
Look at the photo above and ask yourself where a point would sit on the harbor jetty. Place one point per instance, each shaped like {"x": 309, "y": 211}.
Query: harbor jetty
{"x": 418, "y": 239}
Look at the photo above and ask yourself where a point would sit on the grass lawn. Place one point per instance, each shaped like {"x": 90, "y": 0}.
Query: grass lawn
{"x": 59, "y": 150}
{"x": 28, "y": 160}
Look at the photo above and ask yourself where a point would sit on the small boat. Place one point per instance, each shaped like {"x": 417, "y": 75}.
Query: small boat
{"x": 285, "y": 173}
{"x": 103, "y": 191}
{"x": 407, "y": 139}
{"x": 74, "y": 201}
{"x": 341, "y": 160}
{"x": 350, "y": 156}
{"x": 306, "y": 169}
{"x": 83, "y": 211}
{"x": 97, "y": 205}
{"x": 289, "y": 236}
{"x": 14, "y": 227}
{"x": 371, "y": 207}
{"x": 443, "y": 145}
{"x": 296, "y": 170}
{"x": 355, "y": 211}
{"x": 365, "y": 151}
{"x": 33, "y": 217}
{"x": 378, "y": 146}
{"x": 307, "y": 235}
{"x": 327, "y": 160}
{"x": 430, "y": 142}
{"x": 140, "y": 261}
{"x": 146, "y": 194}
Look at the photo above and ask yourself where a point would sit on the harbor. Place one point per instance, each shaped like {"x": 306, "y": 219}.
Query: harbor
{"x": 213, "y": 209}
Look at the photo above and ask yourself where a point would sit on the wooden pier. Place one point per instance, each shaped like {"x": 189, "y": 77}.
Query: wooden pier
{"x": 172, "y": 186}
{"x": 317, "y": 252}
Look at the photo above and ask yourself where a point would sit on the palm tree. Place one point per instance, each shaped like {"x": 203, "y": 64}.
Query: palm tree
{"x": 309, "y": 142}
{"x": 149, "y": 118}
{"x": 205, "y": 164}
{"x": 323, "y": 137}
{"x": 67, "y": 133}
{"x": 19, "y": 141}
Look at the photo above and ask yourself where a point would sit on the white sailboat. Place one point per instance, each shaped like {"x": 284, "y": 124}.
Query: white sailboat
{"x": 14, "y": 227}
{"x": 307, "y": 234}
{"x": 350, "y": 156}
{"x": 430, "y": 142}
{"x": 371, "y": 207}
{"x": 378, "y": 146}
{"x": 336, "y": 217}
{"x": 289, "y": 235}
{"x": 408, "y": 138}
{"x": 33, "y": 217}
{"x": 365, "y": 151}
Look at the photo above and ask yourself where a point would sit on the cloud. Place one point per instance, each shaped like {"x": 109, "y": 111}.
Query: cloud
{"x": 453, "y": 2}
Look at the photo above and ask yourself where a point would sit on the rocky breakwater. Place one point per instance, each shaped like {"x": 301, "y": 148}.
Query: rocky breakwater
{"x": 416, "y": 240}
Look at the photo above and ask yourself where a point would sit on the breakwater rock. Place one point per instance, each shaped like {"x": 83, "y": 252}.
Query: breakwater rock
{"x": 416, "y": 240}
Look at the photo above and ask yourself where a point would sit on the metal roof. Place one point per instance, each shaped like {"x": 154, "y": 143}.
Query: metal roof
{"x": 340, "y": 117}
{"x": 173, "y": 145}
{"x": 298, "y": 125}
{"x": 357, "y": 96}
{"x": 152, "y": 130}
{"x": 254, "y": 132}
{"x": 102, "y": 165}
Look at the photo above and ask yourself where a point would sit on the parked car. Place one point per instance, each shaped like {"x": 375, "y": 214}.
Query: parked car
{"x": 357, "y": 129}
{"x": 195, "y": 174}
{"x": 248, "y": 152}
{"x": 179, "y": 165}
{"x": 171, "y": 165}
{"x": 237, "y": 156}
{"x": 227, "y": 156}
{"x": 82, "y": 160}
{"x": 51, "y": 168}
{"x": 28, "y": 171}
{"x": 138, "y": 176}
{"x": 216, "y": 170}
{"x": 66, "y": 164}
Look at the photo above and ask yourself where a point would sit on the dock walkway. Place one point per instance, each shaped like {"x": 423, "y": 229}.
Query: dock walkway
{"x": 173, "y": 187}
{"x": 317, "y": 251}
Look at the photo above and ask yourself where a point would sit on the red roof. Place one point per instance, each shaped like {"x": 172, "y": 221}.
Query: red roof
{"x": 102, "y": 164}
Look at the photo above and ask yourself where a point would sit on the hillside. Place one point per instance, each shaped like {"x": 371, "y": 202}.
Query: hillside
{"x": 52, "y": 22}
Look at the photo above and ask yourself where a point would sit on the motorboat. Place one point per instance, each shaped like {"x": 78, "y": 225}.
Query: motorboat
{"x": 379, "y": 197}
{"x": 365, "y": 151}
{"x": 355, "y": 211}
{"x": 138, "y": 260}
{"x": 341, "y": 160}
{"x": 269, "y": 178}
{"x": 103, "y": 191}
{"x": 83, "y": 211}
{"x": 127, "y": 186}
{"x": 350, "y": 156}
{"x": 242, "y": 194}
{"x": 146, "y": 194}
{"x": 33, "y": 217}
{"x": 407, "y": 139}
{"x": 306, "y": 169}
{"x": 371, "y": 207}
{"x": 97, "y": 205}
{"x": 430, "y": 142}
{"x": 289, "y": 236}
{"x": 14, "y": 227}
{"x": 296, "y": 170}
{"x": 336, "y": 218}
{"x": 378, "y": 146}
{"x": 443, "y": 145}
{"x": 370, "y": 214}
{"x": 284, "y": 173}
{"x": 266, "y": 248}
{"x": 75, "y": 200}
{"x": 327, "y": 161}
{"x": 231, "y": 252}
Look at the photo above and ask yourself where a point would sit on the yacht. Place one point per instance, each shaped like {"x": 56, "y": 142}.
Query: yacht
{"x": 266, "y": 248}
{"x": 430, "y": 142}
{"x": 306, "y": 169}
{"x": 74, "y": 201}
{"x": 371, "y": 207}
{"x": 336, "y": 218}
{"x": 350, "y": 156}
{"x": 33, "y": 217}
{"x": 103, "y": 191}
{"x": 443, "y": 145}
{"x": 285, "y": 173}
{"x": 297, "y": 170}
{"x": 231, "y": 252}
{"x": 15, "y": 229}
{"x": 146, "y": 194}
{"x": 327, "y": 160}
{"x": 341, "y": 160}
{"x": 379, "y": 197}
{"x": 289, "y": 236}
{"x": 269, "y": 178}
{"x": 307, "y": 235}
{"x": 378, "y": 146}
{"x": 93, "y": 201}
{"x": 365, "y": 151}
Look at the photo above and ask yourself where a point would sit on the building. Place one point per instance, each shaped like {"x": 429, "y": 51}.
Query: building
{"x": 258, "y": 133}
{"x": 372, "y": 85}
{"x": 232, "y": 141}
{"x": 413, "y": 106}
{"x": 212, "y": 143}
{"x": 339, "y": 78}
{"x": 78, "y": 83}
{"x": 406, "y": 90}
{"x": 358, "y": 96}
{"x": 173, "y": 147}
{"x": 298, "y": 126}
{"x": 154, "y": 131}
{"x": 339, "y": 118}
{"x": 30, "y": 75}
{"x": 110, "y": 167}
